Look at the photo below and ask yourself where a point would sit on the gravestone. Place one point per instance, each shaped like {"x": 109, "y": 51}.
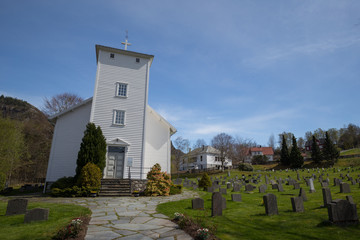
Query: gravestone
{"x": 350, "y": 199}
{"x": 270, "y": 204}
{"x": 222, "y": 190}
{"x": 342, "y": 212}
{"x": 280, "y": 187}
{"x": 297, "y": 204}
{"x": 236, "y": 197}
{"x": 311, "y": 183}
{"x": 326, "y": 196}
{"x": 249, "y": 188}
{"x": 223, "y": 202}
{"x": 16, "y": 206}
{"x": 228, "y": 185}
{"x": 345, "y": 188}
{"x": 296, "y": 185}
{"x": 197, "y": 203}
{"x": 274, "y": 186}
{"x": 216, "y": 204}
{"x": 236, "y": 188}
{"x": 324, "y": 184}
{"x": 262, "y": 188}
{"x": 267, "y": 181}
{"x": 36, "y": 214}
{"x": 302, "y": 194}
{"x": 336, "y": 182}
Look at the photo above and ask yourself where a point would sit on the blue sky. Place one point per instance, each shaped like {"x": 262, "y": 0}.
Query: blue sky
{"x": 246, "y": 68}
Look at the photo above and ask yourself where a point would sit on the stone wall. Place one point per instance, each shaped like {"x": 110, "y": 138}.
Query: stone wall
{"x": 138, "y": 185}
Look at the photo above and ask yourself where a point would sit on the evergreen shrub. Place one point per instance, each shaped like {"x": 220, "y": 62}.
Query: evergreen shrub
{"x": 205, "y": 181}
{"x": 90, "y": 176}
{"x": 64, "y": 182}
{"x": 245, "y": 167}
{"x": 158, "y": 183}
{"x": 175, "y": 189}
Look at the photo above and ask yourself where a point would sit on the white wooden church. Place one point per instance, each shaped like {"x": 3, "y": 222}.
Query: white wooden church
{"x": 137, "y": 136}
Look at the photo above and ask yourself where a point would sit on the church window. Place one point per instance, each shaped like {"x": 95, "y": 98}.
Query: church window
{"x": 121, "y": 89}
{"x": 119, "y": 117}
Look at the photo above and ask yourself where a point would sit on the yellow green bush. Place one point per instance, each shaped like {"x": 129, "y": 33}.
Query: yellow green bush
{"x": 158, "y": 183}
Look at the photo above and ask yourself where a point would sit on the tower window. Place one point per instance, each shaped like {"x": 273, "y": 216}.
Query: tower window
{"x": 121, "y": 89}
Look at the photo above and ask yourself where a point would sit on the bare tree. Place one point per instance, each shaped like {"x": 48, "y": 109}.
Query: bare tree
{"x": 271, "y": 142}
{"x": 240, "y": 149}
{"x": 182, "y": 147}
{"x": 199, "y": 143}
{"x": 59, "y": 103}
{"x": 224, "y": 143}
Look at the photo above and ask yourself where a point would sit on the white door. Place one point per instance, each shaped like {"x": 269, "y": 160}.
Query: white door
{"x": 115, "y": 162}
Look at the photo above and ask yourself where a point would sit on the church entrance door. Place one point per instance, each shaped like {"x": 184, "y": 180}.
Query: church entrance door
{"x": 115, "y": 162}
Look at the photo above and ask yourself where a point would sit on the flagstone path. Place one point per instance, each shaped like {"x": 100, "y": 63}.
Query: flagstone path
{"x": 128, "y": 218}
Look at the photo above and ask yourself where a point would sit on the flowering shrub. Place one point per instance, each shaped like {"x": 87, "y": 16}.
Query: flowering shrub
{"x": 178, "y": 216}
{"x": 202, "y": 233}
{"x": 159, "y": 183}
{"x": 70, "y": 231}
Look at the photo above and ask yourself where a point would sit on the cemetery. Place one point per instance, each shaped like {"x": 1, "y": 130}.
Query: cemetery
{"x": 314, "y": 203}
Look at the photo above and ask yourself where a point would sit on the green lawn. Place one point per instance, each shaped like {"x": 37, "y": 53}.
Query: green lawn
{"x": 350, "y": 152}
{"x": 13, "y": 227}
{"x": 247, "y": 219}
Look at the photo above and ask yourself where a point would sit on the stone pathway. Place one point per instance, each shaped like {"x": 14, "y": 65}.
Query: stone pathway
{"x": 128, "y": 218}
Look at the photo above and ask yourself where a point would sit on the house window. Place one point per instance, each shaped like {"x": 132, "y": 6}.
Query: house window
{"x": 112, "y": 55}
{"x": 137, "y": 60}
{"x": 119, "y": 117}
{"x": 121, "y": 89}
{"x": 201, "y": 158}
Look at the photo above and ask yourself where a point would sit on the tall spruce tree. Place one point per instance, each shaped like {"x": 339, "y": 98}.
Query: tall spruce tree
{"x": 316, "y": 154}
{"x": 296, "y": 160}
{"x": 330, "y": 153}
{"x": 92, "y": 148}
{"x": 284, "y": 156}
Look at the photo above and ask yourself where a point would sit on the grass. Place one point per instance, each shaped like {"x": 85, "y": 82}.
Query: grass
{"x": 247, "y": 219}
{"x": 350, "y": 152}
{"x": 13, "y": 227}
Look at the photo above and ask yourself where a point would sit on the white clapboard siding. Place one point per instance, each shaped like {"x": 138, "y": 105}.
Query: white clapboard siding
{"x": 68, "y": 133}
{"x": 157, "y": 146}
{"x": 124, "y": 69}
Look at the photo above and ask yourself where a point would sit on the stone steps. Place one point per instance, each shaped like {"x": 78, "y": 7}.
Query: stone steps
{"x": 115, "y": 188}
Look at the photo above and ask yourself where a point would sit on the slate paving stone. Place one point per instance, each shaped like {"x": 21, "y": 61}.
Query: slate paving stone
{"x": 141, "y": 219}
{"x": 125, "y": 232}
{"x": 136, "y": 237}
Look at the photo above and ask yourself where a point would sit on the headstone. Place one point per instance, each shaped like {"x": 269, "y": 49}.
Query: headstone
{"x": 345, "y": 188}
{"x": 342, "y": 212}
{"x": 350, "y": 199}
{"x": 324, "y": 184}
{"x": 223, "y": 203}
{"x": 197, "y": 203}
{"x": 302, "y": 194}
{"x": 36, "y": 214}
{"x": 297, "y": 204}
{"x": 236, "y": 197}
{"x": 336, "y": 182}
{"x": 222, "y": 190}
{"x": 262, "y": 188}
{"x": 216, "y": 204}
{"x": 16, "y": 206}
{"x": 311, "y": 184}
{"x": 210, "y": 189}
{"x": 280, "y": 187}
{"x": 274, "y": 186}
{"x": 267, "y": 181}
{"x": 236, "y": 187}
{"x": 249, "y": 188}
{"x": 326, "y": 196}
{"x": 296, "y": 185}
{"x": 228, "y": 185}
{"x": 270, "y": 204}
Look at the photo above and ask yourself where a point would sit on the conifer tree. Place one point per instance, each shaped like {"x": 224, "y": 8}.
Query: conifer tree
{"x": 92, "y": 148}
{"x": 316, "y": 154}
{"x": 330, "y": 153}
{"x": 295, "y": 155}
{"x": 284, "y": 157}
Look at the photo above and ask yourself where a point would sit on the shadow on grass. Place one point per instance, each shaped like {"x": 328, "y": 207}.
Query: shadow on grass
{"x": 325, "y": 223}
{"x": 288, "y": 194}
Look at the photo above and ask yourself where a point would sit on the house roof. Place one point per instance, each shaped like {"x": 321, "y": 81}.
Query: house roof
{"x": 204, "y": 149}
{"x": 123, "y": 52}
{"x": 264, "y": 150}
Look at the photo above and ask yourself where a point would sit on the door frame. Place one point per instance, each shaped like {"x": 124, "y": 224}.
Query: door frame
{"x": 107, "y": 158}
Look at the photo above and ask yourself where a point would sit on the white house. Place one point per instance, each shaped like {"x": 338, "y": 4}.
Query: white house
{"x": 204, "y": 157}
{"x": 137, "y": 137}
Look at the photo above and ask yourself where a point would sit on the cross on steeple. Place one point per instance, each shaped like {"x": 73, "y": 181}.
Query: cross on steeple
{"x": 126, "y": 41}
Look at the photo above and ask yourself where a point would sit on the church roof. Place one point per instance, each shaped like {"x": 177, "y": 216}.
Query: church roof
{"x": 123, "y": 52}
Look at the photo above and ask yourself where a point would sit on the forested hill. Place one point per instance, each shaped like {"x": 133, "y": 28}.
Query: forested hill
{"x": 37, "y": 132}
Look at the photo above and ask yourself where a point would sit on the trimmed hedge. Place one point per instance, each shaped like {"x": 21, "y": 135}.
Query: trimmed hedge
{"x": 175, "y": 189}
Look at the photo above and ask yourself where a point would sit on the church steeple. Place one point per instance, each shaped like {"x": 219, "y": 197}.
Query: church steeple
{"x": 126, "y": 43}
